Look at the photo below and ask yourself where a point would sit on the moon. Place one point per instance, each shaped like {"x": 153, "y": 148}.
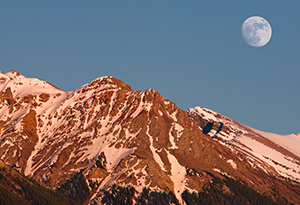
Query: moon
{"x": 256, "y": 31}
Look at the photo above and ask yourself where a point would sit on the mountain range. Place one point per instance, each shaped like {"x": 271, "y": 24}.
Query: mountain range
{"x": 105, "y": 143}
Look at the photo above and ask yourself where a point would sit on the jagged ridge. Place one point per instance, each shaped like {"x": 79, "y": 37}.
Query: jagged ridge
{"x": 114, "y": 135}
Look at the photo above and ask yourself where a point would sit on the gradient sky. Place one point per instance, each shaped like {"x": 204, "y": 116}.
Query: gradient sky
{"x": 192, "y": 52}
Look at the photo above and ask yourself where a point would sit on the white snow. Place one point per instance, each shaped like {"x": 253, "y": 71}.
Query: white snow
{"x": 112, "y": 154}
{"x": 153, "y": 150}
{"x": 18, "y": 114}
{"x": 173, "y": 115}
{"x": 289, "y": 142}
{"x": 204, "y": 113}
{"x": 259, "y": 154}
{"x": 171, "y": 139}
{"x": 160, "y": 113}
{"x": 179, "y": 129}
{"x": 21, "y": 86}
{"x": 272, "y": 157}
{"x": 177, "y": 176}
{"x": 232, "y": 163}
{"x": 143, "y": 106}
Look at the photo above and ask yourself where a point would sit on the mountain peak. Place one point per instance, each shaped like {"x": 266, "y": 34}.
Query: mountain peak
{"x": 108, "y": 82}
{"x": 111, "y": 134}
{"x": 11, "y": 75}
{"x": 14, "y": 74}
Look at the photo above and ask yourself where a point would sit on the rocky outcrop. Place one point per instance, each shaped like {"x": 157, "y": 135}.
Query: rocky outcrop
{"x": 114, "y": 135}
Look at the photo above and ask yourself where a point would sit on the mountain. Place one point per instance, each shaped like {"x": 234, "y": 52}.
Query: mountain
{"x": 277, "y": 155}
{"x": 105, "y": 142}
{"x": 15, "y": 188}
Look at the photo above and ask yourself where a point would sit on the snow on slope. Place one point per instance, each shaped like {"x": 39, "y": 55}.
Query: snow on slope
{"x": 72, "y": 106}
{"x": 284, "y": 165}
{"x": 43, "y": 93}
{"x": 21, "y": 86}
{"x": 30, "y": 94}
{"x": 26, "y": 94}
{"x": 263, "y": 150}
{"x": 96, "y": 122}
{"x": 289, "y": 142}
{"x": 177, "y": 176}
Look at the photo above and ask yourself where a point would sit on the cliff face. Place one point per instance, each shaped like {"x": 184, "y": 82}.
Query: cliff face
{"x": 114, "y": 135}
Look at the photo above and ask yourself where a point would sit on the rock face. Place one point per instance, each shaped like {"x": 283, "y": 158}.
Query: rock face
{"x": 277, "y": 155}
{"x": 114, "y": 135}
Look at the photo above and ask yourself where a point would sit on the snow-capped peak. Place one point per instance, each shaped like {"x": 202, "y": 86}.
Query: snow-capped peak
{"x": 22, "y": 86}
{"x": 14, "y": 74}
{"x": 114, "y": 135}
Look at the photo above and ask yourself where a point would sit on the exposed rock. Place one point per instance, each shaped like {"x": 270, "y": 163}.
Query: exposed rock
{"x": 114, "y": 135}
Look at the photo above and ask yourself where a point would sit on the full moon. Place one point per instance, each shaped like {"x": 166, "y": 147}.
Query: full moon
{"x": 256, "y": 31}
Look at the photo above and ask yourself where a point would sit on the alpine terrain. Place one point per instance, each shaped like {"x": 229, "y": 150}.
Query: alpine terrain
{"x": 105, "y": 143}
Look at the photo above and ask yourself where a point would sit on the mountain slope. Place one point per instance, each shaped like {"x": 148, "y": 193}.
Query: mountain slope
{"x": 111, "y": 134}
{"x": 275, "y": 154}
{"x": 15, "y": 188}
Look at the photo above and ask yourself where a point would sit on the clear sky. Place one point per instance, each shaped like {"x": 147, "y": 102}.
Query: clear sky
{"x": 192, "y": 52}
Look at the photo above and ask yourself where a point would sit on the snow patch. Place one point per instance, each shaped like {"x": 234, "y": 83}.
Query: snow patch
{"x": 179, "y": 129}
{"x": 153, "y": 150}
{"x": 112, "y": 154}
{"x": 273, "y": 158}
{"x": 289, "y": 142}
{"x": 204, "y": 113}
{"x": 160, "y": 113}
{"x": 178, "y": 173}
{"x": 232, "y": 163}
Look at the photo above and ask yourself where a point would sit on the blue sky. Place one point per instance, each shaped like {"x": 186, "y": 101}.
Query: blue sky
{"x": 192, "y": 52}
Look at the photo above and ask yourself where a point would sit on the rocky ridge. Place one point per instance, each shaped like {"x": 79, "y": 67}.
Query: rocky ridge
{"x": 276, "y": 155}
{"x": 114, "y": 135}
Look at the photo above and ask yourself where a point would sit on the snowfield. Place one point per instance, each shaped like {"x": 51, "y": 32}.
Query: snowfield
{"x": 262, "y": 149}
